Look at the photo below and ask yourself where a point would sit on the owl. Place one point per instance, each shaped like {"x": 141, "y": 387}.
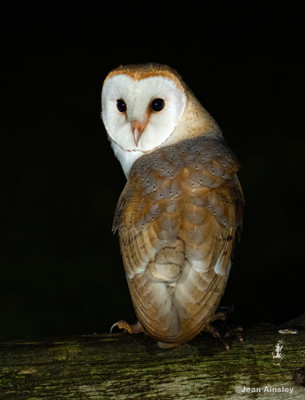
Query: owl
{"x": 180, "y": 211}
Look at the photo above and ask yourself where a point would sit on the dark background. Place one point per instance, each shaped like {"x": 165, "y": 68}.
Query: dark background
{"x": 61, "y": 269}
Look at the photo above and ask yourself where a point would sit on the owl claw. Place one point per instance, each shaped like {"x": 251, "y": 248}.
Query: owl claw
{"x": 134, "y": 328}
{"x": 216, "y": 334}
{"x": 121, "y": 325}
{"x": 219, "y": 328}
{"x": 114, "y": 325}
{"x": 239, "y": 333}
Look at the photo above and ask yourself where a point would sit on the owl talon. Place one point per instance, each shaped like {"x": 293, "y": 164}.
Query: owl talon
{"x": 239, "y": 333}
{"x": 216, "y": 334}
{"x": 134, "y": 328}
{"x": 219, "y": 328}
{"x": 118, "y": 324}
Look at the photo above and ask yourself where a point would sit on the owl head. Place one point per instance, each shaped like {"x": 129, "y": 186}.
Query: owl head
{"x": 142, "y": 105}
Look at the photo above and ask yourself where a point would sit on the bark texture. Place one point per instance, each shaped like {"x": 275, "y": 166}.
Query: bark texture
{"x": 122, "y": 366}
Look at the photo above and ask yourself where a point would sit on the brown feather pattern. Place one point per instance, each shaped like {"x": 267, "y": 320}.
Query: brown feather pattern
{"x": 177, "y": 219}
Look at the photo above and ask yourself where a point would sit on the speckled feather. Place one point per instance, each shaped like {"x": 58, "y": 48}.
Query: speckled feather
{"x": 177, "y": 219}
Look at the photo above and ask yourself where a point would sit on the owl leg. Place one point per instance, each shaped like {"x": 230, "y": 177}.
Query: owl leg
{"x": 219, "y": 315}
{"x": 130, "y": 328}
{"x": 209, "y": 328}
{"x": 219, "y": 328}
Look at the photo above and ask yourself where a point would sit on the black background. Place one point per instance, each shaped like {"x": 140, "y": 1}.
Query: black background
{"x": 61, "y": 269}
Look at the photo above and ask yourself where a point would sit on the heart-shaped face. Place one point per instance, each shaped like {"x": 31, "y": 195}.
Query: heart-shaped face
{"x": 140, "y": 114}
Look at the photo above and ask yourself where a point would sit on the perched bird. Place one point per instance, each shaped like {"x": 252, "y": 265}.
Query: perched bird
{"x": 182, "y": 205}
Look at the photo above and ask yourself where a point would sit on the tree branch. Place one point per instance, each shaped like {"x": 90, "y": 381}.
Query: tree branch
{"x": 121, "y": 366}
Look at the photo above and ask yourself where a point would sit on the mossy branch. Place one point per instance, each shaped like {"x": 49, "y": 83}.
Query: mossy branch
{"x": 121, "y": 366}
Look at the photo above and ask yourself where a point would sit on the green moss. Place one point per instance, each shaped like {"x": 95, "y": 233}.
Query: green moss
{"x": 122, "y": 366}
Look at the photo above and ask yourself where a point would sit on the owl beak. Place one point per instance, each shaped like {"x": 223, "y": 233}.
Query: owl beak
{"x": 137, "y": 130}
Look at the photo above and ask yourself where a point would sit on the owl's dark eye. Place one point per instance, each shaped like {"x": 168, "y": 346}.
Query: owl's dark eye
{"x": 121, "y": 105}
{"x": 157, "y": 104}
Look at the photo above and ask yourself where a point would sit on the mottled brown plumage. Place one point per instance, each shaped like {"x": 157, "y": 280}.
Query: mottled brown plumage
{"x": 177, "y": 219}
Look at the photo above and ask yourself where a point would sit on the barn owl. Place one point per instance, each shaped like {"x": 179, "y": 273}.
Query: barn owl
{"x": 179, "y": 212}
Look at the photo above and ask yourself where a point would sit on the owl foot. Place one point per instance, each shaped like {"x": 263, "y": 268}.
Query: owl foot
{"x": 219, "y": 328}
{"x": 134, "y": 328}
{"x": 220, "y": 332}
{"x": 209, "y": 328}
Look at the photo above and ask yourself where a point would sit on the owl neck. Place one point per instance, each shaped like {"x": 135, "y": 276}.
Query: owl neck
{"x": 126, "y": 158}
{"x": 195, "y": 121}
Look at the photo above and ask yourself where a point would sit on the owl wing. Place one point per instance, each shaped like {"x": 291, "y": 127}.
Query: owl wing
{"x": 177, "y": 218}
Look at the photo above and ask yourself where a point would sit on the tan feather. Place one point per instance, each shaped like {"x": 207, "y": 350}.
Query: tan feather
{"x": 177, "y": 219}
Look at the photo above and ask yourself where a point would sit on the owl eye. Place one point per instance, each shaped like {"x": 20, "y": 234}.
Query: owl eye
{"x": 157, "y": 104}
{"x": 121, "y": 105}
